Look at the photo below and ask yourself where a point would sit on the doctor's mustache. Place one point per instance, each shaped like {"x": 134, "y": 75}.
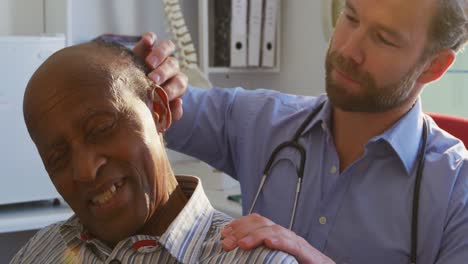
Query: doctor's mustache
{"x": 349, "y": 68}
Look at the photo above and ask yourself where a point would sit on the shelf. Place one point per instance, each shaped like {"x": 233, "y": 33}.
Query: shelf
{"x": 206, "y": 43}
{"x": 31, "y": 216}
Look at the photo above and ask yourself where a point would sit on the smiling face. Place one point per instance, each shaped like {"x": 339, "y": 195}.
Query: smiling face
{"x": 99, "y": 142}
{"x": 376, "y": 54}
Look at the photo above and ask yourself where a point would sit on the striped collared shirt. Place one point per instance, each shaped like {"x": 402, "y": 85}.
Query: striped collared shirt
{"x": 193, "y": 237}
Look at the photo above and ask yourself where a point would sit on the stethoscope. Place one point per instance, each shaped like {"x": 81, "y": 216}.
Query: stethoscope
{"x": 294, "y": 143}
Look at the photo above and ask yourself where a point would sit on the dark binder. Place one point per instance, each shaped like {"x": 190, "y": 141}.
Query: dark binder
{"x": 222, "y": 32}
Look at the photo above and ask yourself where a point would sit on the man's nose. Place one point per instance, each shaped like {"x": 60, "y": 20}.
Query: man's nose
{"x": 353, "y": 47}
{"x": 87, "y": 162}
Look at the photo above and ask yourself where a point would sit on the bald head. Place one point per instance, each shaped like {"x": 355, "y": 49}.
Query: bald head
{"x": 93, "y": 65}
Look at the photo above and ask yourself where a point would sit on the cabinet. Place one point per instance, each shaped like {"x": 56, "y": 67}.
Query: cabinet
{"x": 206, "y": 42}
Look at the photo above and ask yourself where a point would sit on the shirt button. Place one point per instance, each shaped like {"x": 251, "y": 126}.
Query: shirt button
{"x": 333, "y": 170}
{"x": 322, "y": 220}
{"x": 115, "y": 261}
{"x": 324, "y": 125}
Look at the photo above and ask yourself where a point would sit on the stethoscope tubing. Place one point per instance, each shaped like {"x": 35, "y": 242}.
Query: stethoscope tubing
{"x": 294, "y": 143}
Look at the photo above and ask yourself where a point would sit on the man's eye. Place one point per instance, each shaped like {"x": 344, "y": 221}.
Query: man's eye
{"x": 56, "y": 160}
{"x": 102, "y": 128}
{"x": 351, "y": 18}
{"x": 385, "y": 41}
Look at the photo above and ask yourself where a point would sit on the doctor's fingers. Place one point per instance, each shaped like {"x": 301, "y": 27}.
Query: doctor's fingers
{"x": 145, "y": 45}
{"x": 280, "y": 238}
{"x": 242, "y": 227}
{"x": 159, "y": 53}
{"x": 176, "y": 109}
{"x": 261, "y": 235}
{"x": 175, "y": 87}
{"x": 166, "y": 70}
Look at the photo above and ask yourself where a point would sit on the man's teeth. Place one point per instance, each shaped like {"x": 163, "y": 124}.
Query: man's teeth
{"x": 105, "y": 196}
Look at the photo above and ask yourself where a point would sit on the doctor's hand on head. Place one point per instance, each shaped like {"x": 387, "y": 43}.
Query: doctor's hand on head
{"x": 165, "y": 69}
{"x": 253, "y": 230}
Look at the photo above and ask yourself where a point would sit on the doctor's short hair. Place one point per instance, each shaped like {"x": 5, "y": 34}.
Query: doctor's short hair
{"x": 449, "y": 26}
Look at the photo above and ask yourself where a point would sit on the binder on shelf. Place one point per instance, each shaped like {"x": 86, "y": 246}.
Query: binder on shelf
{"x": 269, "y": 33}
{"x": 222, "y": 31}
{"x": 238, "y": 45}
{"x": 254, "y": 32}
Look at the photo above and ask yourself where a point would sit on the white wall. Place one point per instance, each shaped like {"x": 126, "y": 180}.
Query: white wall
{"x": 21, "y": 17}
{"x": 91, "y": 18}
{"x": 5, "y": 17}
{"x": 55, "y": 16}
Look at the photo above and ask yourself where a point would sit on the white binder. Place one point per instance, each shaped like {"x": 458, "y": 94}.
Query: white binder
{"x": 238, "y": 33}
{"x": 269, "y": 32}
{"x": 255, "y": 32}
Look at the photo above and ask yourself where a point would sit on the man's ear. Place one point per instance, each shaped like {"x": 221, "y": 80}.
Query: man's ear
{"x": 437, "y": 66}
{"x": 160, "y": 108}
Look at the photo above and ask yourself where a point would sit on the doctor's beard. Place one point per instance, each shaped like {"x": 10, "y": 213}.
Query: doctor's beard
{"x": 371, "y": 98}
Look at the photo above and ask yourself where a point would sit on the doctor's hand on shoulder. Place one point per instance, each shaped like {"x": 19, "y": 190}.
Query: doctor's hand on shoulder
{"x": 251, "y": 231}
{"x": 165, "y": 69}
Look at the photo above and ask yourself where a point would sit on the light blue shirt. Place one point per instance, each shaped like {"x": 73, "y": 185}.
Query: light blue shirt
{"x": 362, "y": 215}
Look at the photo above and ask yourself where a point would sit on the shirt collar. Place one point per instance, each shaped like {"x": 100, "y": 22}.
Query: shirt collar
{"x": 405, "y": 136}
{"x": 183, "y": 238}
{"x": 323, "y": 115}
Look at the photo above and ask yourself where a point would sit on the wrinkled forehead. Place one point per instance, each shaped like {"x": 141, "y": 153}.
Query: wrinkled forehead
{"x": 71, "y": 81}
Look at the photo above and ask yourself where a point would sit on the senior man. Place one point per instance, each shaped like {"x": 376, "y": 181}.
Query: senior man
{"x": 97, "y": 122}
